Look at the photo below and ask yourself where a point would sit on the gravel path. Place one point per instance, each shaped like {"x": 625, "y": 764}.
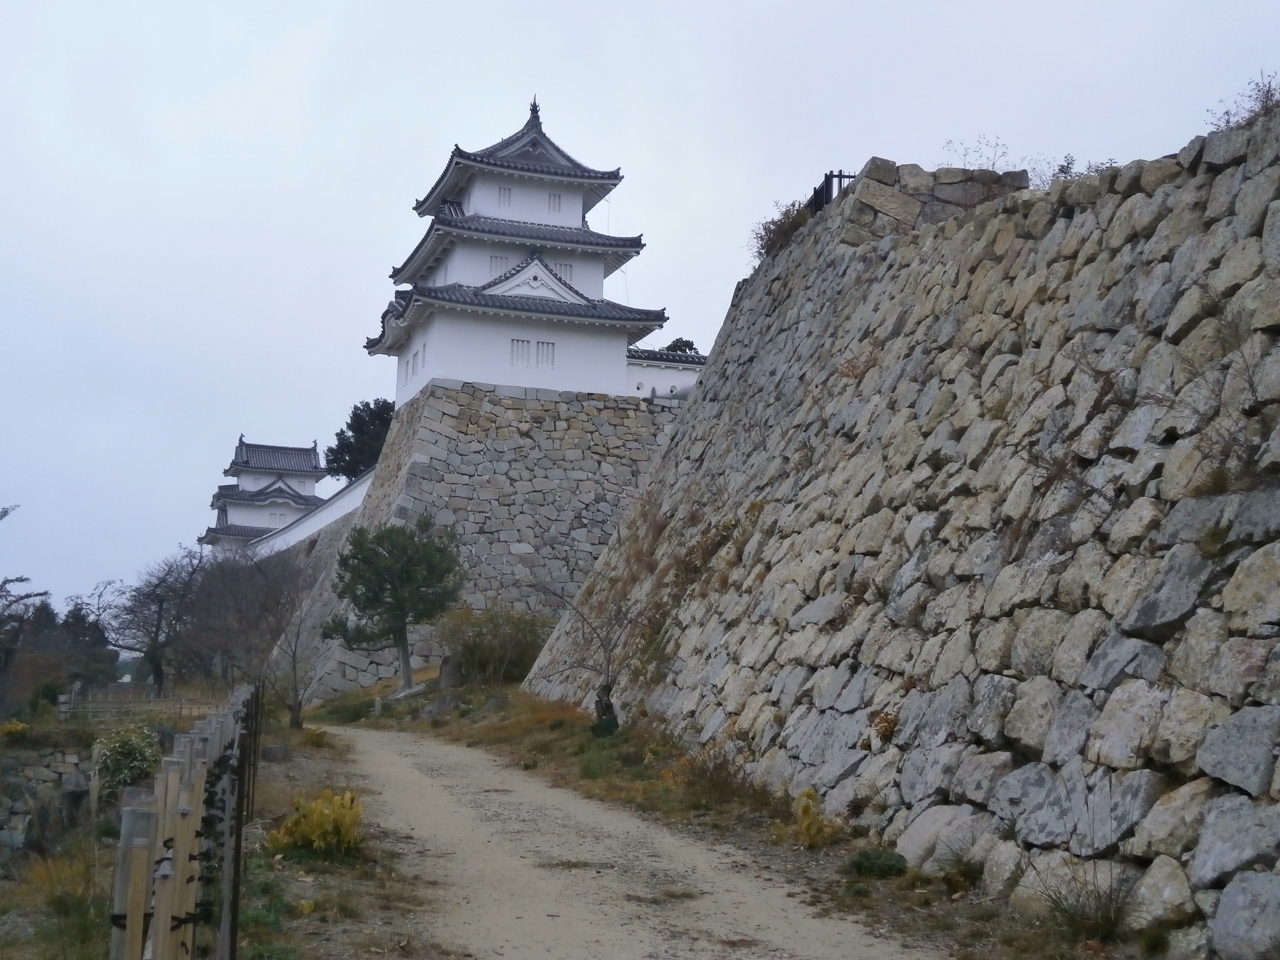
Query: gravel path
{"x": 527, "y": 870}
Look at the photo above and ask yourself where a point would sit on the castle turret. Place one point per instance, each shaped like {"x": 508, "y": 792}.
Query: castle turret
{"x": 273, "y": 487}
{"x": 507, "y": 285}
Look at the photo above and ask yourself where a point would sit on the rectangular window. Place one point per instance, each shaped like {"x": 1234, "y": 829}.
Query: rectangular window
{"x": 546, "y": 354}
{"x": 414, "y": 366}
{"x": 565, "y": 272}
{"x": 497, "y": 266}
{"x": 553, "y": 203}
{"x": 504, "y": 196}
{"x": 519, "y": 353}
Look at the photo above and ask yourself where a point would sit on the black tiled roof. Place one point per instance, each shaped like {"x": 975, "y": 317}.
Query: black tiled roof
{"x": 276, "y": 491}
{"x": 528, "y": 150}
{"x": 272, "y": 459}
{"x": 666, "y": 356}
{"x": 491, "y": 227}
{"x": 479, "y": 298}
{"x": 608, "y": 310}
{"x": 234, "y": 531}
{"x": 522, "y": 230}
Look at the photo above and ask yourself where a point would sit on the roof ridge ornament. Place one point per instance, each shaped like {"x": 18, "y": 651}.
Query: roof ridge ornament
{"x": 534, "y": 112}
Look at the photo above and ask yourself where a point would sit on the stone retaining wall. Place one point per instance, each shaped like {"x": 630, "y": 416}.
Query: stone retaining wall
{"x": 40, "y": 793}
{"x": 975, "y": 528}
{"x": 531, "y": 481}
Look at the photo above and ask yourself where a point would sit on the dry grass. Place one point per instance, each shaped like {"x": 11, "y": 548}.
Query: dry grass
{"x": 639, "y": 766}
{"x": 63, "y": 899}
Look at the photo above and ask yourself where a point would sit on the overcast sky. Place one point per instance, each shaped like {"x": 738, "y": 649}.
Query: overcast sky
{"x": 199, "y": 205}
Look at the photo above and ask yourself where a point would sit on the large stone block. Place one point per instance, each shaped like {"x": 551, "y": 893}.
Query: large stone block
{"x": 1036, "y": 800}
{"x": 1119, "y": 658}
{"x": 1239, "y": 663}
{"x": 1172, "y": 596}
{"x": 1172, "y": 825}
{"x": 1029, "y": 719}
{"x": 993, "y": 698}
{"x": 976, "y": 778}
{"x": 1037, "y": 640}
{"x": 1162, "y": 898}
{"x": 1251, "y": 597}
{"x": 1242, "y": 749}
{"x": 1237, "y": 833}
{"x": 920, "y": 840}
{"x": 1069, "y": 728}
{"x": 888, "y": 201}
{"x": 1246, "y": 925}
{"x": 1122, "y": 735}
{"x": 1187, "y": 717}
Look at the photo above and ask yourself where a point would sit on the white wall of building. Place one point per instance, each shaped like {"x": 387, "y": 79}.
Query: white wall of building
{"x": 339, "y": 505}
{"x": 526, "y": 199}
{"x": 471, "y": 347}
{"x": 263, "y": 515}
{"x": 668, "y": 380}
{"x": 476, "y": 262}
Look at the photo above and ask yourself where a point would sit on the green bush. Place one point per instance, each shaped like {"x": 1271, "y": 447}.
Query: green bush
{"x": 342, "y": 710}
{"x": 493, "y": 646}
{"x": 129, "y": 755}
{"x": 875, "y": 862}
{"x": 47, "y": 692}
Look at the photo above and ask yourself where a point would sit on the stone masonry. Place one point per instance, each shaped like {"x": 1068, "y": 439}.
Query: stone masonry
{"x": 974, "y": 527}
{"x": 530, "y": 481}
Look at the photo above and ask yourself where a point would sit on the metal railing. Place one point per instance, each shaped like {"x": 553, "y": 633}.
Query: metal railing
{"x": 177, "y": 877}
{"x": 825, "y": 192}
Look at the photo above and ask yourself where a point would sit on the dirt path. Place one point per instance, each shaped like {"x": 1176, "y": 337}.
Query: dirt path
{"x": 529, "y": 871}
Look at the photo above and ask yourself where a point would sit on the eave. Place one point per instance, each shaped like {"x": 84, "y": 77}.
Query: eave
{"x": 436, "y": 242}
{"x": 462, "y": 165}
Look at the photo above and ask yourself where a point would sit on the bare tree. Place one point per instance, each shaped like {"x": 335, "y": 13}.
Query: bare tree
{"x": 288, "y": 671}
{"x": 154, "y": 617}
{"x": 600, "y": 648}
{"x": 243, "y": 604}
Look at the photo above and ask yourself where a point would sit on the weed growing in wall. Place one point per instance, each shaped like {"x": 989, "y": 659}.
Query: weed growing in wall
{"x": 1259, "y": 98}
{"x": 771, "y": 236}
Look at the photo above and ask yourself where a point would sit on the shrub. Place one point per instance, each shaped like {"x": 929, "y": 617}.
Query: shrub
{"x": 328, "y": 826}
{"x": 14, "y": 732}
{"x": 315, "y": 737}
{"x": 343, "y": 710}
{"x": 1259, "y": 98}
{"x": 809, "y": 827}
{"x": 875, "y": 862}
{"x": 1090, "y": 904}
{"x": 493, "y": 646}
{"x": 770, "y": 236}
{"x": 128, "y": 755}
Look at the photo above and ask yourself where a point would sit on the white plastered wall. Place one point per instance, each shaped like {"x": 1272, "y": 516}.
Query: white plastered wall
{"x": 477, "y": 349}
{"x": 529, "y": 200}
{"x": 668, "y": 381}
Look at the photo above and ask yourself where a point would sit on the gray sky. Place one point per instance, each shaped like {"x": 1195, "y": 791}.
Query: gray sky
{"x": 199, "y": 207}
